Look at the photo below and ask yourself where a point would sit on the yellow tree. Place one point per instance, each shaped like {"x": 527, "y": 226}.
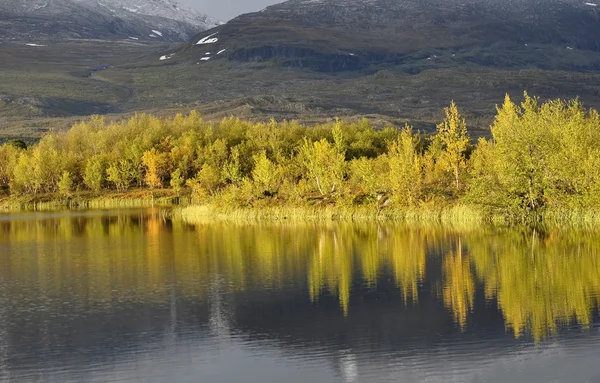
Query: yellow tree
{"x": 156, "y": 164}
{"x": 9, "y": 155}
{"x": 265, "y": 174}
{"x": 405, "y": 167}
{"x": 455, "y": 140}
{"x": 324, "y": 163}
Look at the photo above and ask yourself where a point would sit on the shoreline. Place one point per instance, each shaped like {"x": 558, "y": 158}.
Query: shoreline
{"x": 89, "y": 200}
{"x": 457, "y": 215}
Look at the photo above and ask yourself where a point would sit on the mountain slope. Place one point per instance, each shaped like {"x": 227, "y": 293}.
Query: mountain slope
{"x": 338, "y": 35}
{"x": 390, "y": 60}
{"x": 140, "y": 19}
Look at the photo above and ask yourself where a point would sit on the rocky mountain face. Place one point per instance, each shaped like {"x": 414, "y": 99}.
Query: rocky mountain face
{"x": 343, "y": 35}
{"x": 162, "y": 20}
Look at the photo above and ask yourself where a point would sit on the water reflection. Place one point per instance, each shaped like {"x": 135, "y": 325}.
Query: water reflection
{"x": 133, "y": 283}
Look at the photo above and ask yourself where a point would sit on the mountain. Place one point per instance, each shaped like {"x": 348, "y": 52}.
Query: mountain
{"x": 137, "y": 19}
{"x": 350, "y": 35}
{"x": 389, "y": 60}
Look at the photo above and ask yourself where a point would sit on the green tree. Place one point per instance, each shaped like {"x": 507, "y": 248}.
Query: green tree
{"x": 177, "y": 181}
{"x": 94, "y": 173}
{"x": 232, "y": 171}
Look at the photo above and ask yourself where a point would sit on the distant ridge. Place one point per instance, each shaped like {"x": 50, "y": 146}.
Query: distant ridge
{"x": 163, "y": 20}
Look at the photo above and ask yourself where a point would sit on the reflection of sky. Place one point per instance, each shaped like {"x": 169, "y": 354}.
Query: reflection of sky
{"x": 180, "y": 344}
{"x": 236, "y": 359}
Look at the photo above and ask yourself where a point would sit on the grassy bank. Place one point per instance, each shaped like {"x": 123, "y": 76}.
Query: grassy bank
{"x": 90, "y": 200}
{"x": 456, "y": 215}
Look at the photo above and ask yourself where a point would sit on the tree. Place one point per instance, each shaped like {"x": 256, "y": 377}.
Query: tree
{"x": 514, "y": 171}
{"x": 405, "y": 165}
{"x": 94, "y": 173}
{"x": 23, "y": 179}
{"x": 455, "y": 140}
{"x": 65, "y": 184}
{"x": 156, "y": 164}
{"x": 177, "y": 181}
{"x": 232, "y": 171}
{"x": 122, "y": 173}
{"x": 265, "y": 174}
{"x": 324, "y": 164}
{"x": 9, "y": 156}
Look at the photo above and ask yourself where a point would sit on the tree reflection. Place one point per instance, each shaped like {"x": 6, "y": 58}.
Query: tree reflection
{"x": 539, "y": 282}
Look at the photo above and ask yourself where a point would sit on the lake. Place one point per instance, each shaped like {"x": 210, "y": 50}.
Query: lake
{"x": 130, "y": 296}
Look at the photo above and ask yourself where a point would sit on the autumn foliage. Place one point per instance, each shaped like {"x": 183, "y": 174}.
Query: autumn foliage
{"x": 538, "y": 157}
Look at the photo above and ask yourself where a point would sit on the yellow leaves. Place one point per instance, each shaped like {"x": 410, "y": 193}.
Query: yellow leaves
{"x": 405, "y": 169}
{"x": 157, "y": 167}
{"x": 452, "y": 132}
{"x": 265, "y": 174}
{"x": 538, "y": 157}
{"x": 325, "y": 165}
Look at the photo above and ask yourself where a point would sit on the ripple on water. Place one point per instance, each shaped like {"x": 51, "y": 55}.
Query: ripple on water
{"x": 127, "y": 297}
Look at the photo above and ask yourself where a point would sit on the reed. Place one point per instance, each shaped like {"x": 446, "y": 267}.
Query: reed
{"x": 84, "y": 201}
{"x": 452, "y": 216}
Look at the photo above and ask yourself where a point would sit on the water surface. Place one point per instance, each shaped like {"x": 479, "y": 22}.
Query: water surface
{"x": 128, "y": 296}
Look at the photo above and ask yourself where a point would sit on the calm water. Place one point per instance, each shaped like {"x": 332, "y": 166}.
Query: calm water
{"x": 125, "y": 296}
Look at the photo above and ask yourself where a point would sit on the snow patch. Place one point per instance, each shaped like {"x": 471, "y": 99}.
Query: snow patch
{"x": 569, "y": 48}
{"x": 133, "y": 38}
{"x": 592, "y": 4}
{"x": 207, "y": 54}
{"x": 151, "y": 35}
{"x": 132, "y": 10}
{"x": 157, "y": 32}
{"x": 35, "y": 7}
{"x": 208, "y": 39}
{"x": 221, "y": 51}
{"x": 35, "y": 45}
{"x": 166, "y": 57}
{"x": 205, "y": 59}
{"x": 352, "y": 54}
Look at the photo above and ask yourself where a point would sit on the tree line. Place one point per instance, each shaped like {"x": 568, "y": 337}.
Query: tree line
{"x": 539, "y": 156}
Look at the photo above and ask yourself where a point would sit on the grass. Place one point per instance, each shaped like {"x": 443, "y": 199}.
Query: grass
{"x": 457, "y": 215}
{"x": 89, "y": 200}
{"x": 36, "y": 90}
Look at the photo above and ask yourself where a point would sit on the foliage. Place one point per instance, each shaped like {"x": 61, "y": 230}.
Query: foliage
{"x": 540, "y": 158}
{"x": 65, "y": 185}
{"x": 452, "y": 133}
